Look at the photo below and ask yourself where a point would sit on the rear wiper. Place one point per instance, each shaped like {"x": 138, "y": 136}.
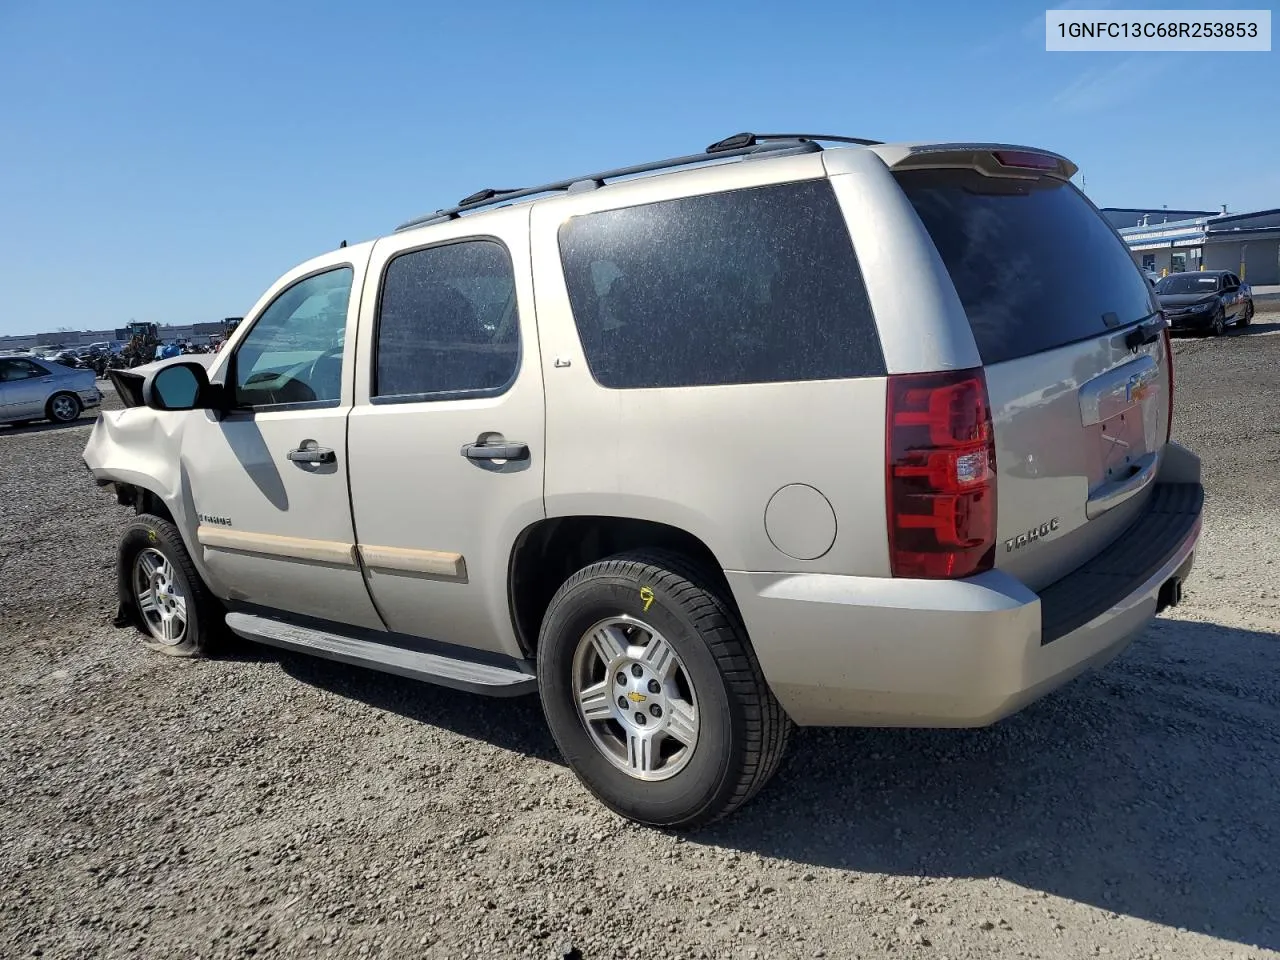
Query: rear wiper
{"x": 1146, "y": 332}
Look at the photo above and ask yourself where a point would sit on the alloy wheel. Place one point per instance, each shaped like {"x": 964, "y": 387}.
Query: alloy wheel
{"x": 63, "y": 408}
{"x": 159, "y": 597}
{"x": 635, "y": 698}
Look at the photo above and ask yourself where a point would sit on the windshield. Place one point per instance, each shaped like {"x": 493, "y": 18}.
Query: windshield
{"x": 1188, "y": 283}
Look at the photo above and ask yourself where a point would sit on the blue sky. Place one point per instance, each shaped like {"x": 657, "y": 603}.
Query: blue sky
{"x": 167, "y": 161}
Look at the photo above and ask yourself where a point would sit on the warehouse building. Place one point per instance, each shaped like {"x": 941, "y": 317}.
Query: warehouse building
{"x": 1247, "y": 244}
{"x": 200, "y": 333}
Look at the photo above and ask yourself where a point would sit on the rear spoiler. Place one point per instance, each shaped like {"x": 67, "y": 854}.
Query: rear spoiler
{"x": 992, "y": 159}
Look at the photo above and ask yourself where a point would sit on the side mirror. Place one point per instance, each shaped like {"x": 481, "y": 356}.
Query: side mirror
{"x": 178, "y": 386}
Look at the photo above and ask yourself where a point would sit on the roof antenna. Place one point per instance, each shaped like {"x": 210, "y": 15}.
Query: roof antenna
{"x": 342, "y": 244}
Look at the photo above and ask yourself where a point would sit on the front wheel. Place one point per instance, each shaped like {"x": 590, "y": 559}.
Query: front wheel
{"x": 172, "y": 608}
{"x": 653, "y": 693}
{"x": 1247, "y": 315}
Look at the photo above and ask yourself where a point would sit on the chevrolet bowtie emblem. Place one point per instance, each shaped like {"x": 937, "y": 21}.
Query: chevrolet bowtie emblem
{"x": 636, "y": 697}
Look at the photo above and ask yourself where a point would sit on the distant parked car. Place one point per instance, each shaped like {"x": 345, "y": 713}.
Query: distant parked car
{"x": 35, "y": 389}
{"x": 1205, "y": 301}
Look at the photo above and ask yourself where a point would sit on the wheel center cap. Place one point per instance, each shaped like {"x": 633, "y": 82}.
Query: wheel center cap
{"x": 638, "y": 706}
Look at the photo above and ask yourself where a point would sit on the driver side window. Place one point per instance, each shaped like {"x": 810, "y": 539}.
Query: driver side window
{"x": 293, "y": 354}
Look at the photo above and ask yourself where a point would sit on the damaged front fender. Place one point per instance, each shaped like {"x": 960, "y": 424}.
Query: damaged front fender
{"x": 139, "y": 451}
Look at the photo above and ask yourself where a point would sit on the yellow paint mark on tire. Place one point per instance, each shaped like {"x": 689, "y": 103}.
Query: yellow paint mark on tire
{"x": 646, "y": 594}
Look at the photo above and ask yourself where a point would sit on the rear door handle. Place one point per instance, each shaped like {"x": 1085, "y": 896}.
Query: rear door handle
{"x": 496, "y": 451}
{"x": 310, "y": 452}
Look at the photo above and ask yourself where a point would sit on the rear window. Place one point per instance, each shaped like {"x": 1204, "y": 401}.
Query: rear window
{"x": 745, "y": 286}
{"x": 1035, "y": 265}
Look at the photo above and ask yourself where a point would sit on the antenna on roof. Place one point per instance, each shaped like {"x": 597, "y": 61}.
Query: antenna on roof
{"x": 342, "y": 244}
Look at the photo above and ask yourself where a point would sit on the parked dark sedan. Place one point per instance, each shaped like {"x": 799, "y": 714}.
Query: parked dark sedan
{"x": 1206, "y": 301}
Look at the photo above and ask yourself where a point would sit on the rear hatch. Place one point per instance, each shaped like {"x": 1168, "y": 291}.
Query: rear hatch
{"x": 1074, "y": 350}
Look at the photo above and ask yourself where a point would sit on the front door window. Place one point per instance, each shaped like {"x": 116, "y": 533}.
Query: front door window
{"x": 293, "y": 354}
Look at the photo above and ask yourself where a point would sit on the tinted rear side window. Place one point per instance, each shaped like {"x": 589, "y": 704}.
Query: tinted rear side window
{"x": 745, "y": 286}
{"x": 447, "y": 323}
{"x": 1035, "y": 265}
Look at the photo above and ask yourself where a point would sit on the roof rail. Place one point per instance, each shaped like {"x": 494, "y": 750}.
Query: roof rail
{"x": 739, "y": 145}
{"x": 739, "y": 140}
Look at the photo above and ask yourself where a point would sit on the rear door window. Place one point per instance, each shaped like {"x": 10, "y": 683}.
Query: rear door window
{"x": 1035, "y": 265}
{"x": 744, "y": 286}
{"x": 448, "y": 326}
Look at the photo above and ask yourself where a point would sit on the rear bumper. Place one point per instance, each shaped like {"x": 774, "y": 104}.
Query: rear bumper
{"x": 868, "y": 651}
{"x": 91, "y": 397}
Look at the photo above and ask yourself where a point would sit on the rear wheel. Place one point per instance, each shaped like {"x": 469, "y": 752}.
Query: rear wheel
{"x": 172, "y": 608}
{"x": 653, "y": 693}
{"x": 63, "y": 407}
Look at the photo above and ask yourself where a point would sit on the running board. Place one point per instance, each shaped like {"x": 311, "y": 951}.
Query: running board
{"x": 445, "y": 671}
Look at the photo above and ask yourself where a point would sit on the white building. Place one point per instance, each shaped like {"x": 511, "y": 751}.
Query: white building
{"x": 1247, "y": 244}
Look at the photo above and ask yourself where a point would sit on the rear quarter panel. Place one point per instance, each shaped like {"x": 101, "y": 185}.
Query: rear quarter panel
{"x": 708, "y": 459}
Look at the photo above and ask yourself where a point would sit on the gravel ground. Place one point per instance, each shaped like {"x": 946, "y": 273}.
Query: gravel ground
{"x": 267, "y": 804}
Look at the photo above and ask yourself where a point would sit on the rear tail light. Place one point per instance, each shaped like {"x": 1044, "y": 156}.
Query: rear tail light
{"x": 941, "y": 481}
{"x": 1168, "y": 358}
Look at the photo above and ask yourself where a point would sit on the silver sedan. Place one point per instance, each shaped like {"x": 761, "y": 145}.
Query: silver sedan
{"x": 32, "y": 388}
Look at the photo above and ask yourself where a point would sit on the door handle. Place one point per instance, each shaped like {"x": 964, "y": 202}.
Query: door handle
{"x": 310, "y": 452}
{"x": 1118, "y": 491}
{"x": 496, "y": 451}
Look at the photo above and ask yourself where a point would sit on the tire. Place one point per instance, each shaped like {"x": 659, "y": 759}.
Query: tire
{"x": 1247, "y": 317}
{"x": 739, "y": 732}
{"x": 151, "y": 551}
{"x": 63, "y": 408}
{"x": 1219, "y": 323}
